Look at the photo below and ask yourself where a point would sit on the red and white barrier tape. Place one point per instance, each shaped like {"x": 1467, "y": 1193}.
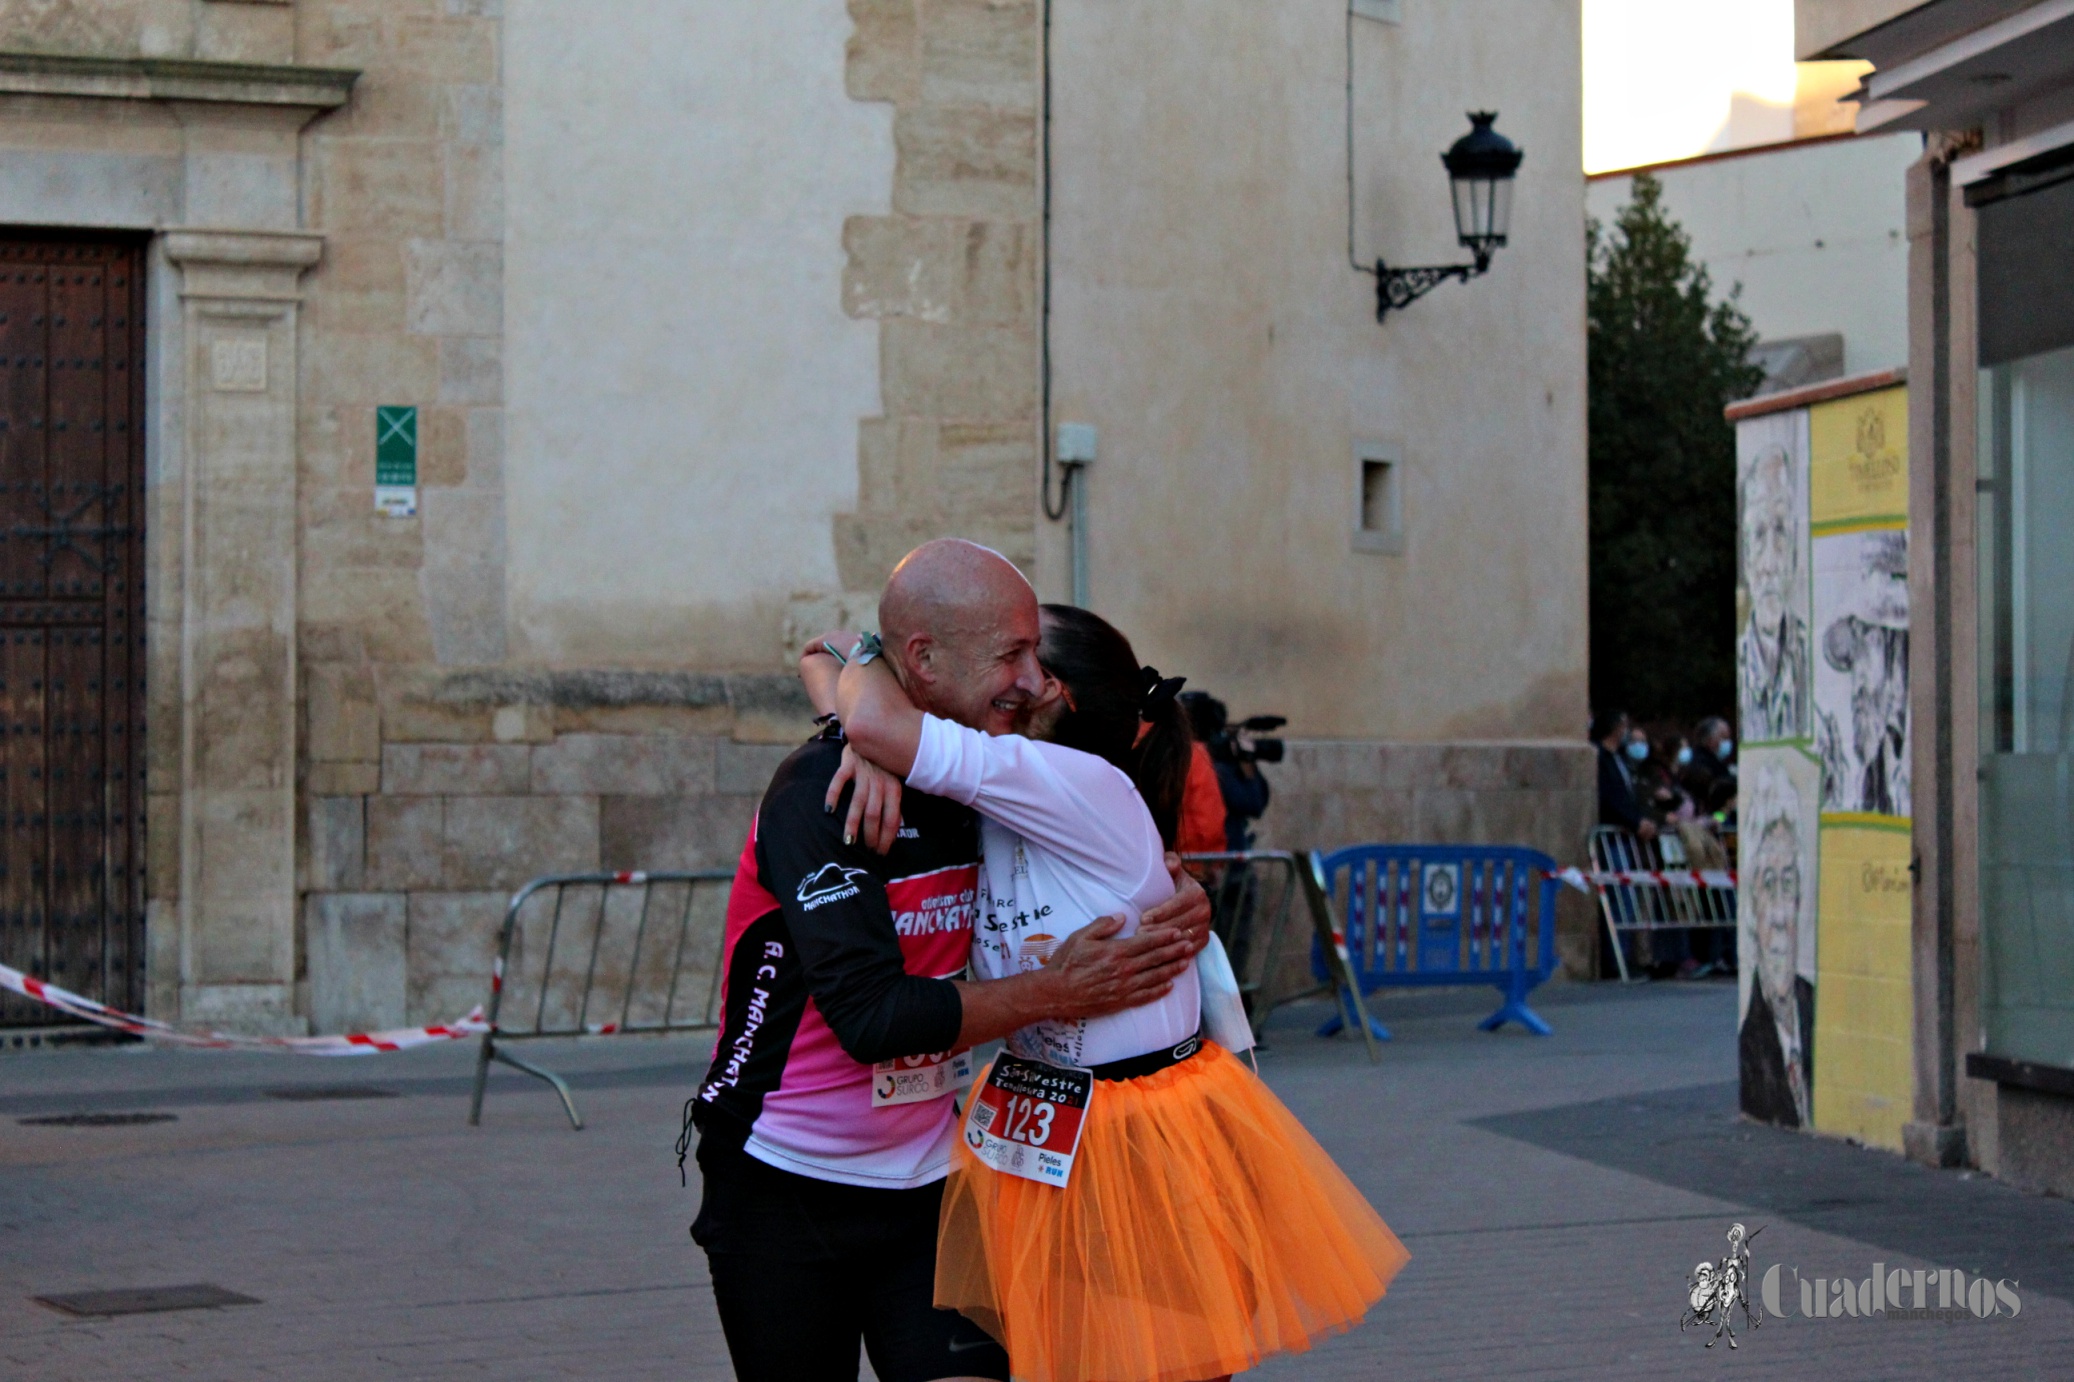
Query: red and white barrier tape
{"x": 354, "y": 1044}
{"x": 1592, "y": 881}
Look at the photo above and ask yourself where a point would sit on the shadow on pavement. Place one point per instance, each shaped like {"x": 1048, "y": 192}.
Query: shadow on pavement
{"x": 1693, "y": 1139}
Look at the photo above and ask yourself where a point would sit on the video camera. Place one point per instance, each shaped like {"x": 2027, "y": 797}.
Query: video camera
{"x": 1246, "y": 741}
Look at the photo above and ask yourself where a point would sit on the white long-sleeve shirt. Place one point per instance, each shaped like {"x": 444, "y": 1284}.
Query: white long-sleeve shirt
{"x": 1066, "y": 839}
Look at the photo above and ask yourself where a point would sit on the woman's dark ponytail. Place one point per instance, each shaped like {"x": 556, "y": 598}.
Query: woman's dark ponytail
{"x": 1159, "y": 765}
{"x": 1113, "y": 697}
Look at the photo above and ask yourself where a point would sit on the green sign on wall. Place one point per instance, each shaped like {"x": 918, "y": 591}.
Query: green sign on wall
{"x": 396, "y": 461}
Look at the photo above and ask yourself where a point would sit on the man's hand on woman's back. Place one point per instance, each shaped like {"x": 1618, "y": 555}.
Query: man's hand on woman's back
{"x": 1187, "y": 911}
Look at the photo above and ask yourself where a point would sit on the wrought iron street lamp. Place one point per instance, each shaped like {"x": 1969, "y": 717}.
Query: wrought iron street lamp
{"x": 1480, "y": 169}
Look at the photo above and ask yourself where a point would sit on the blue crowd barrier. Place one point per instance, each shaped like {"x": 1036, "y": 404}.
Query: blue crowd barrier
{"x": 1421, "y": 916}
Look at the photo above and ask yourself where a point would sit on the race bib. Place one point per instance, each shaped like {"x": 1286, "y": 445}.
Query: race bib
{"x": 1027, "y": 1118}
{"x": 917, "y": 1079}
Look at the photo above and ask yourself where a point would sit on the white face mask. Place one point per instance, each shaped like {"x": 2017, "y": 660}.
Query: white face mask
{"x": 1728, "y": 746}
{"x": 1684, "y": 754}
{"x": 1638, "y": 750}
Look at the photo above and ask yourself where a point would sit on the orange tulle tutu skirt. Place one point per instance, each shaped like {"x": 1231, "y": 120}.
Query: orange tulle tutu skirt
{"x": 1202, "y": 1230}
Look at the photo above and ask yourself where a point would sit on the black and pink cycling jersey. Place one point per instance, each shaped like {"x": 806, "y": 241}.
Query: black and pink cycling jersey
{"x": 835, "y": 959}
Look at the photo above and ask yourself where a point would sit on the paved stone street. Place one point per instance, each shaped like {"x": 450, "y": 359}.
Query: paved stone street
{"x": 1554, "y": 1193}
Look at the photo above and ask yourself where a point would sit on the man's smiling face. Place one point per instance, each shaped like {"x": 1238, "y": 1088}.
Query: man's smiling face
{"x": 989, "y": 678}
{"x": 961, "y": 628}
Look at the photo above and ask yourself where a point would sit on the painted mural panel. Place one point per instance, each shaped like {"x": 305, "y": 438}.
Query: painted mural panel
{"x": 1773, "y": 652}
{"x": 1858, "y": 461}
{"x": 1776, "y": 941}
{"x": 1867, "y": 1000}
{"x": 1822, "y": 663}
{"x": 1861, "y": 671}
{"x": 1858, "y": 518}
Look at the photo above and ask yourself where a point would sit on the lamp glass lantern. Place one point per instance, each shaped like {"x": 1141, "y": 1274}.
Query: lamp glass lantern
{"x": 1480, "y": 169}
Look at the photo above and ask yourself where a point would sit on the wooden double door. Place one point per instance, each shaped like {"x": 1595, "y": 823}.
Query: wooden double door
{"x": 72, "y": 617}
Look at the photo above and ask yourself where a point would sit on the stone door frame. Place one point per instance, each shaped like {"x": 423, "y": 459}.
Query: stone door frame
{"x": 206, "y": 158}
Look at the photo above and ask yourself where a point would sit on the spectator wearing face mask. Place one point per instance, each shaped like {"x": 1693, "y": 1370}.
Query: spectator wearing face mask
{"x": 1619, "y": 802}
{"x": 1675, "y": 952}
{"x": 1711, "y": 775}
{"x": 1651, "y": 764}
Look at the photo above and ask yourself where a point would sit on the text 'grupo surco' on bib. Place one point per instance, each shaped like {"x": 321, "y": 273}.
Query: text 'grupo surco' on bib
{"x": 1027, "y": 1118}
{"x": 917, "y": 1079}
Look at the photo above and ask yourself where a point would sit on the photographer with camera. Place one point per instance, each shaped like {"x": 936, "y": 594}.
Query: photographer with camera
{"x": 1236, "y": 751}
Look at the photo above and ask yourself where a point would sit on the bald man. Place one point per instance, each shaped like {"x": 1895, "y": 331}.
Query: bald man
{"x": 827, "y": 1116}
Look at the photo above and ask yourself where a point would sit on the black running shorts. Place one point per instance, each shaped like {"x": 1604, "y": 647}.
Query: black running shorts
{"x": 804, "y": 1270}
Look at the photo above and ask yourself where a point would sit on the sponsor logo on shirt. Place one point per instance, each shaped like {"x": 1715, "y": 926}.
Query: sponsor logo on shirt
{"x": 829, "y": 883}
{"x": 934, "y": 915}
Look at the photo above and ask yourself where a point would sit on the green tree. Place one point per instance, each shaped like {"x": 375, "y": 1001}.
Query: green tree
{"x": 1665, "y": 358}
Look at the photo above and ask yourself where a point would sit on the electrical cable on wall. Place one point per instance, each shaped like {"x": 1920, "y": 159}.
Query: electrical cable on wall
{"x": 1047, "y": 441}
{"x": 1352, "y": 257}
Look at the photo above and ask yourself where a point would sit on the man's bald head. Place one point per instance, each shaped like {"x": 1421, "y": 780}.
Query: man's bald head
{"x": 950, "y": 586}
{"x": 960, "y": 623}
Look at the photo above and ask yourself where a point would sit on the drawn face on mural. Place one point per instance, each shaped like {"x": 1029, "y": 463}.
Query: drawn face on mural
{"x": 1877, "y": 659}
{"x": 1774, "y": 883}
{"x": 1771, "y": 555}
{"x": 1870, "y": 645}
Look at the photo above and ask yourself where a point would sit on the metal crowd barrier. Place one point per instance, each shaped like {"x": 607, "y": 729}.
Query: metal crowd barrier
{"x": 604, "y": 969}
{"x": 1628, "y": 902}
{"x": 604, "y": 966}
{"x": 1253, "y": 896}
{"x": 1421, "y": 916}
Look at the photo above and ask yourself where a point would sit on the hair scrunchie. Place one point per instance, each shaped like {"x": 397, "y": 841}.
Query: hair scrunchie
{"x": 1159, "y": 692}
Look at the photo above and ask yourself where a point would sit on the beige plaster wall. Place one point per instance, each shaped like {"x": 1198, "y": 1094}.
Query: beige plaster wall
{"x": 1813, "y": 234}
{"x": 685, "y": 386}
{"x": 1209, "y": 323}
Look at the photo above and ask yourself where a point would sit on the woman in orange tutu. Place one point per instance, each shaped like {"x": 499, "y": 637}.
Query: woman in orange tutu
{"x": 1195, "y": 1228}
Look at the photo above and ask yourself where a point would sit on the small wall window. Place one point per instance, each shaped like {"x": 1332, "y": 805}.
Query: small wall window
{"x": 1378, "y": 498}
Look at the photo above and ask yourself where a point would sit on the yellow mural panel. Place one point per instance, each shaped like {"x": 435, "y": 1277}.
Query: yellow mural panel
{"x": 1864, "y": 1081}
{"x": 1858, "y": 462}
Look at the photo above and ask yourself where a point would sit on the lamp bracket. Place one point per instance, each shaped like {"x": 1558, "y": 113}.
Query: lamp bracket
{"x": 1399, "y": 288}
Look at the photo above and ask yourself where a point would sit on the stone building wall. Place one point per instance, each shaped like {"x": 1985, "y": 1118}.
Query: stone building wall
{"x": 366, "y": 730}
{"x": 407, "y": 308}
{"x": 430, "y": 793}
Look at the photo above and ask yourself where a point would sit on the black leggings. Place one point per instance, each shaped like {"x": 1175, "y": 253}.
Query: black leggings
{"x": 801, "y": 1321}
{"x": 805, "y": 1270}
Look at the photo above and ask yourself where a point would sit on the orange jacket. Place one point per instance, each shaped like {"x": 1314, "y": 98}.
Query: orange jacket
{"x": 1202, "y": 806}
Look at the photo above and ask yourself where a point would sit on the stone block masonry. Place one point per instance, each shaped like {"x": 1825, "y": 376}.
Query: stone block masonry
{"x": 951, "y": 276}
{"x": 484, "y": 780}
{"x": 408, "y": 185}
{"x": 470, "y": 784}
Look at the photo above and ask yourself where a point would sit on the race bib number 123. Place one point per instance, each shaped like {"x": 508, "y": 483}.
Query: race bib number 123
{"x": 1026, "y": 1119}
